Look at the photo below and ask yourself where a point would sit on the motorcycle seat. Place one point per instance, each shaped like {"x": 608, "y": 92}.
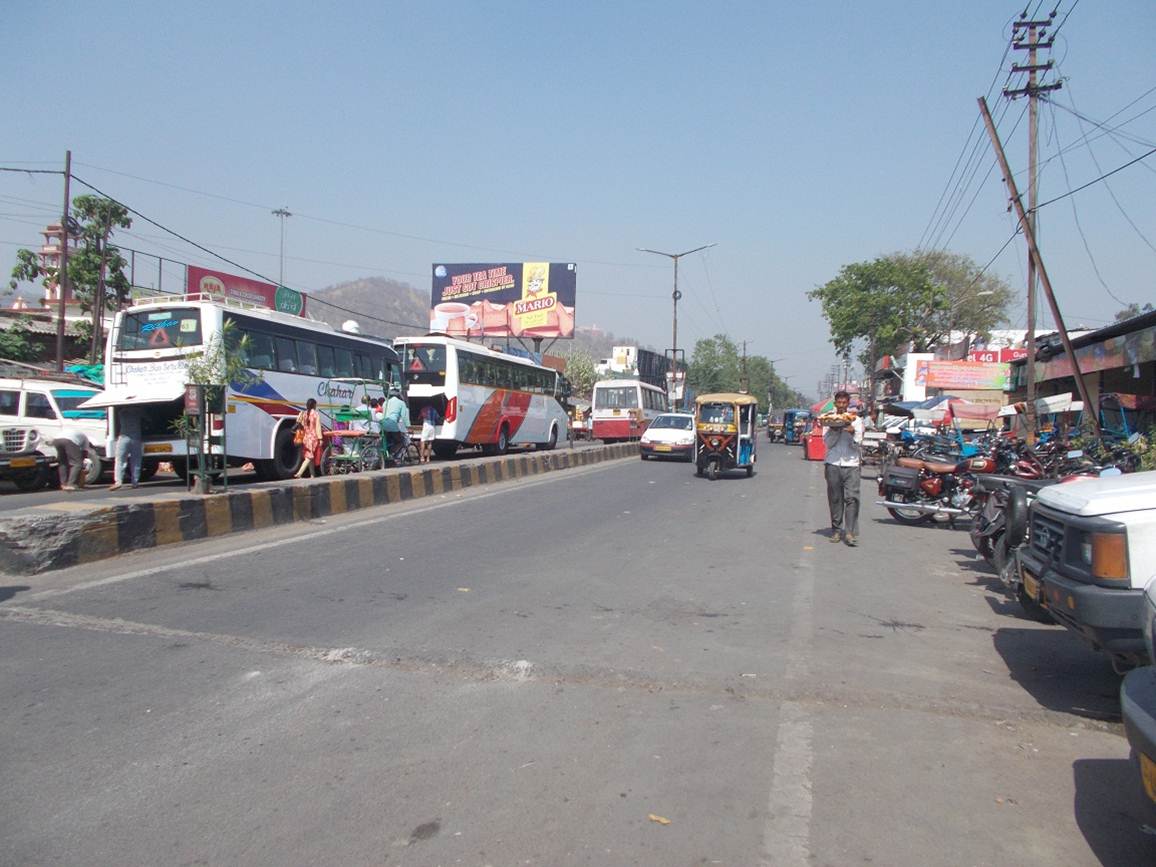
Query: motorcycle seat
{"x": 910, "y": 463}
{"x": 937, "y": 467}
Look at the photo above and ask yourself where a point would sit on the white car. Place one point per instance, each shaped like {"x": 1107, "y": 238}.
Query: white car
{"x": 670, "y": 435}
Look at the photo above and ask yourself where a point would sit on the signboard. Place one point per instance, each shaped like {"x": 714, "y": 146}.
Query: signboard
{"x": 1002, "y": 355}
{"x": 975, "y": 375}
{"x": 514, "y": 299}
{"x": 243, "y": 289}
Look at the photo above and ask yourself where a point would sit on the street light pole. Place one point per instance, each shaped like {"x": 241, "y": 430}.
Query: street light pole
{"x": 675, "y": 295}
{"x": 282, "y": 213}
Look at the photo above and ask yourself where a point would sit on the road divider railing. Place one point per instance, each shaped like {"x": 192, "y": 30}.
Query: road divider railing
{"x": 61, "y": 535}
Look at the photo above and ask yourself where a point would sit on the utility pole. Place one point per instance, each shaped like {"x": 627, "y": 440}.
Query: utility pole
{"x": 676, "y": 295}
{"x": 1035, "y": 31}
{"x": 282, "y": 213}
{"x": 1034, "y": 250}
{"x": 744, "y": 380}
{"x": 62, "y": 277}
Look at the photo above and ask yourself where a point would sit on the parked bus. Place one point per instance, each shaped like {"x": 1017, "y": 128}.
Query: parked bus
{"x": 482, "y": 397}
{"x": 292, "y": 359}
{"x": 623, "y": 408}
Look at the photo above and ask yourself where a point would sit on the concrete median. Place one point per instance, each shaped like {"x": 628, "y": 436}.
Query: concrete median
{"x": 61, "y": 535}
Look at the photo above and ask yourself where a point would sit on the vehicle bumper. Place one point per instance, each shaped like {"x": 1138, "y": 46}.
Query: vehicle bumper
{"x": 1109, "y": 618}
{"x": 1138, "y": 705}
{"x": 666, "y": 450}
{"x": 616, "y": 429}
{"x": 22, "y": 464}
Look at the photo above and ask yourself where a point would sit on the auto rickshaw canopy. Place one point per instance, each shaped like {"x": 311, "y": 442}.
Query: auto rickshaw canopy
{"x": 726, "y": 397}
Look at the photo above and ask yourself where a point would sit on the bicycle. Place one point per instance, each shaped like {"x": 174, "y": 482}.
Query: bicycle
{"x": 351, "y": 451}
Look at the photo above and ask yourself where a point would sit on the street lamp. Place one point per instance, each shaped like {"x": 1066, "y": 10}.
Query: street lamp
{"x": 282, "y": 213}
{"x": 675, "y": 295}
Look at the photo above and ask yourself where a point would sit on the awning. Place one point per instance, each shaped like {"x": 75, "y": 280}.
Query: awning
{"x": 124, "y": 396}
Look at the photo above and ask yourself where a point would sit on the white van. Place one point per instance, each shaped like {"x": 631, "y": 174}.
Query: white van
{"x": 33, "y": 412}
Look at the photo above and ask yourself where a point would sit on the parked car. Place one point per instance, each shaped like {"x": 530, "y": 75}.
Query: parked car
{"x": 1086, "y": 553}
{"x": 33, "y": 411}
{"x": 670, "y": 435}
{"x": 1138, "y": 700}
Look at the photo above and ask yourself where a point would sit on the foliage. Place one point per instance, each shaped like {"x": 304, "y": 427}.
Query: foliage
{"x": 581, "y": 373}
{"x": 909, "y": 299}
{"x": 15, "y": 342}
{"x": 223, "y": 360}
{"x": 716, "y": 365}
{"x": 1133, "y": 309}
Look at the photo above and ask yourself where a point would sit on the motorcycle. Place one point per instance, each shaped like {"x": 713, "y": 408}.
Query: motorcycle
{"x": 915, "y": 491}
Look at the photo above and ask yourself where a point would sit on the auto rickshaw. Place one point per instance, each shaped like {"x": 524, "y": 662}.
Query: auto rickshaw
{"x": 794, "y": 423}
{"x": 725, "y": 429}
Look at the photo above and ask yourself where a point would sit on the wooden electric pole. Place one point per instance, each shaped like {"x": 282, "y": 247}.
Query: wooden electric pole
{"x": 62, "y": 277}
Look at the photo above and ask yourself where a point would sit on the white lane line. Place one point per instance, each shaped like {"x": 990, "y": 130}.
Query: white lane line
{"x": 787, "y": 835}
{"x": 514, "y": 485}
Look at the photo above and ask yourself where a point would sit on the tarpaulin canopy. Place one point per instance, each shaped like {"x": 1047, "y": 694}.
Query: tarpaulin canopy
{"x": 1045, "y": 405}
{"x": 967, "y": 409}
{"x": 125, "y": 396}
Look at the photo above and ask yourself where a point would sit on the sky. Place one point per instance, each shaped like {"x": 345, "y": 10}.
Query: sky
{"x": 797, "y": 137}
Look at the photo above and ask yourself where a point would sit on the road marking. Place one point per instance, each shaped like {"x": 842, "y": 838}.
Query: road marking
{"x": 787, "y": 835}
{"x": 499, "y": 490}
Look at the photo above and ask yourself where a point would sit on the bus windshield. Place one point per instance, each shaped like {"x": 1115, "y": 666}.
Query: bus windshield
{"x": 616, "y": 397}
{"x": 160, "y": 329}
{"x": 425, "y": 364}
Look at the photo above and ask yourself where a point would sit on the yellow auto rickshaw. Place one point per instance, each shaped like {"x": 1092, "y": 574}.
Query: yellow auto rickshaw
{"x": 725, "y": 433}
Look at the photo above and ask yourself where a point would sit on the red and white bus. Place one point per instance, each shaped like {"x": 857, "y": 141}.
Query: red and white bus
{"x": 483, "y": 398}
{"x": 623, "y": 408}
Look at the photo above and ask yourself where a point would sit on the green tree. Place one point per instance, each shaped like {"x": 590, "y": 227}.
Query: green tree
{"x": 95, "y": 266}
{"x": 581, "y": 373}
{"x": 717, "y": 365}
{"x": 15, "y": 342}
{"x": 1133, "y": 309}
{"x": 914, "y": 299}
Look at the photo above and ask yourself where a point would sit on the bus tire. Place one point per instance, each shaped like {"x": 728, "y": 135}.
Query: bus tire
{"x": 503, "y": 445}
{"x": 445, "y": 449}
{"x": 285, "y": 458}
{"x": 553, "y": 441}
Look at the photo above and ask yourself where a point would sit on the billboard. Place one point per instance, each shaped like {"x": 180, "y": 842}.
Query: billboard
{"x": 244, "y": 289}
{"x": 513, "y": 299}
{"x": 974, "y": 375}
{"x": 1003, "y": 354}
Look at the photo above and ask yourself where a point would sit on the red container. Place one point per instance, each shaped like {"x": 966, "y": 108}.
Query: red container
{"x": 814, "y": 448}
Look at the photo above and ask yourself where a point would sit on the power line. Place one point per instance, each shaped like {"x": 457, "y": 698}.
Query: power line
{"x": 1097, "y": 180}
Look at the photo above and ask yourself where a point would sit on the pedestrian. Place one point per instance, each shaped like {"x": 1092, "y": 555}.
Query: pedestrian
{"x": 842, "y": 471}
{"x": 429, "y": 418}
{"x": 128, "y": 447}
{"x": 309, "y": 425}
{"x": 71, "y": 447}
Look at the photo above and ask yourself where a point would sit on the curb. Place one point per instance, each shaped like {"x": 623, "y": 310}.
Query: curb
{"x": 46, "y": 538}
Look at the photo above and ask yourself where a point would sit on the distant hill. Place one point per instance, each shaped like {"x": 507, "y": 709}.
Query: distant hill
{"x": 390, "y": 308}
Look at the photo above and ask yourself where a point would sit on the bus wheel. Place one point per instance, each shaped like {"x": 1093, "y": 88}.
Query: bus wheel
{"x": 553, "y": 441}
{"x": 503, "y": 440}
{"x": 445, "y": 449}
{"x": 285, "y": 457}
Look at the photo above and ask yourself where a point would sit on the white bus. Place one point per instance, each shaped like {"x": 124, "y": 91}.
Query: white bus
{"x": 292, "y": 359}
{"x": 622, "y": 409}
{"x": 482, "y": 397}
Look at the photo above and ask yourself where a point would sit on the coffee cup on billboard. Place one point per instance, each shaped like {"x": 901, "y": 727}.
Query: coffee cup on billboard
{"x": 447, "y": 316}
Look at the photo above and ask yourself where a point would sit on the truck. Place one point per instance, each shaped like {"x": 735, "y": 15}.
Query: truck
{"x": 1085, "y": 552}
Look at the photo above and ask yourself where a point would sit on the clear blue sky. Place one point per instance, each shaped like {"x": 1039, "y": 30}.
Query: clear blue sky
{"x": 797, "y": 136}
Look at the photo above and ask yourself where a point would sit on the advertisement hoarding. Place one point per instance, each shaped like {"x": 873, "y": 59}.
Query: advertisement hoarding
{"x": 1003, "y": 354}
{"x": 513, "y": 299}
{"x": 975, "y": 375}
{"x": 245, "y": 289}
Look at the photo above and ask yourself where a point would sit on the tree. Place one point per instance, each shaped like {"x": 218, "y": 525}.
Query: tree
{"x": 95, "y": 266}
{"x": 909, "y": 299}
{"x": 15, "y": 343}
{"x": 1133, "y": 309}
{"x": 716, "y": 365}
{"x": 581, "y": 373}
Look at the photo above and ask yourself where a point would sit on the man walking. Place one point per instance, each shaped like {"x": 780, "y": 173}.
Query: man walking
{"x": 842, "y": 471}
{"x": 128, "y": 446}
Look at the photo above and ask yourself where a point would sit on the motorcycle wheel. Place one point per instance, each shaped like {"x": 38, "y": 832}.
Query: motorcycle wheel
{"x": 911, "y": 517}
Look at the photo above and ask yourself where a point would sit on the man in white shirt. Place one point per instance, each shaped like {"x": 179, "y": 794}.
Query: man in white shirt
{"x": 71, "y": 447}
{"x": 842, "y": 471}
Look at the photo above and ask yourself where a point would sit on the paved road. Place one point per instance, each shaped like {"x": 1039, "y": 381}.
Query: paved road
{"x": 526, "y": 674}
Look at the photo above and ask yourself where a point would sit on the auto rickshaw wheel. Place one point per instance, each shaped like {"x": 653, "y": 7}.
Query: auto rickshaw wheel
{"x": 750, "y": 471}
{"x": 712, "y": 470}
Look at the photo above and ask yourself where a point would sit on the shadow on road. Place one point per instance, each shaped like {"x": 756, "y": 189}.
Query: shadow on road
{"x": 1113, "y": 813}
{"x": 11, "y": 590}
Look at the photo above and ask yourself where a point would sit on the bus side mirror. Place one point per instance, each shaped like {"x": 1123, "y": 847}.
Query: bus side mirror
{"x": 1016, "y": 517}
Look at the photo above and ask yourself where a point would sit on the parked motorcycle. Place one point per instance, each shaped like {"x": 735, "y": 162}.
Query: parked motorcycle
{"x": 915, "y": 491}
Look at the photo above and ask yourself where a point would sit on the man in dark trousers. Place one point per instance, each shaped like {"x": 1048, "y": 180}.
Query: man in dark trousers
{"x": 842, "y": 471}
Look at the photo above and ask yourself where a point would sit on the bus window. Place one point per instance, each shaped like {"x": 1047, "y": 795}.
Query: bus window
{"x": 286, "y": 355}
{"x": 344, "y": 359}
{"x": 259, "y": 351}
{"x": 616, "y": 397}
{"x": 159, "y": 329}
{"x": 307, "y": 357}
{"x": 363, "y": 365}
{"x": 326, "y": 366}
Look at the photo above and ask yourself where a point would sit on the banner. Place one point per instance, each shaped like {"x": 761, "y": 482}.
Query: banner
{"x": 515, "y": 299}
{"x": 1004, "y": 354}
{"x": 243, "y": 289}
{"x": 974, "y": 375}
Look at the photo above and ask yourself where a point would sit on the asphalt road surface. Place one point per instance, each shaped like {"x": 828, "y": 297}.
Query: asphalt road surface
{"x": 616, "y": 665}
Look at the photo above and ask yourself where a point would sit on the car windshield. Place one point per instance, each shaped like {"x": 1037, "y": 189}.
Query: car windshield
{"x": 674, "y": 422}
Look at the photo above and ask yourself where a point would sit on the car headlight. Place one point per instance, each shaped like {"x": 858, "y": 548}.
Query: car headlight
{"x": 1105, "y": 555}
